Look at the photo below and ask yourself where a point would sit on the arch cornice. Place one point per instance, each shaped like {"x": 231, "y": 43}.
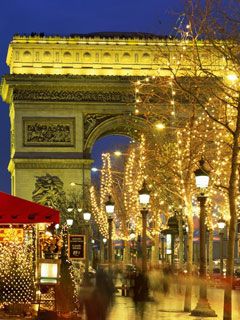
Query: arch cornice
{"x": 128, "y": 125}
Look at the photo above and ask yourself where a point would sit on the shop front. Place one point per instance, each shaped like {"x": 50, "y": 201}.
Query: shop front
{"x": 24, "y": 266}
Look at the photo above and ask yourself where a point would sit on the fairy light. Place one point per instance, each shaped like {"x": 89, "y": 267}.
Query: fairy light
{"x": 16, "y": 272}
{"x": 199, "y": 134}
{"x": 200, "y": 137}
{"x": 98, "y": 201}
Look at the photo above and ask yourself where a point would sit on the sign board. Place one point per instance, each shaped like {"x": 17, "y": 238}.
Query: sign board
{"x": 76, "y": 246}
{"x": 11, "y": 234}
{"x": 48, "y": 271}
{"x": 168, "y": 243}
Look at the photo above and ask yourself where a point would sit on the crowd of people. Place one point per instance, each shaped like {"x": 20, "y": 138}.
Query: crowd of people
{"x": 96, "y": 294}
{"x": 97, "y": 298}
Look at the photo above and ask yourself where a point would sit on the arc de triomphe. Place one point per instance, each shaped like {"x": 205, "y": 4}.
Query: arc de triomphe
{"x": 66, "y": 92}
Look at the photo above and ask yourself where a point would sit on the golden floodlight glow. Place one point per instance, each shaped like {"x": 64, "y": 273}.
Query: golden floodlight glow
{"x": 117, "y": 153}
{"x": 159, "y": 125}
{"x": 232, "y": 77}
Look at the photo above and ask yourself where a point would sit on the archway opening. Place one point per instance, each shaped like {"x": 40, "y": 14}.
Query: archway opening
{"x": 109, "y": 144}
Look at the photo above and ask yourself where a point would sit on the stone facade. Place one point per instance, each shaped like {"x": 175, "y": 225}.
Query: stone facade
{"x": 101, "y": 54}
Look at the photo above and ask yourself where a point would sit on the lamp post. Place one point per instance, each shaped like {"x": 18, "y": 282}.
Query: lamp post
{"x": 202, "y": 179}
{"x": 104, "y": 241}
{"x": 87, "y": 217}
{"x": 73, "y": 216}
{"x": 69, "y": 222}
{"x": 109, "y": 205}
{"x": 221, "y": 225}
{"x": 144, "y": 197}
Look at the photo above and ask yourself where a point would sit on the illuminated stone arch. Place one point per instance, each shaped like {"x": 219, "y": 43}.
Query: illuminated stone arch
{"x": 56, "y": 119}
{"x": 130, "y": 126}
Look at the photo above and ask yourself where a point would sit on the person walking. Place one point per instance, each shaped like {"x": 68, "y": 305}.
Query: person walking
{"x": 140, "y": 293}
{"x": 100, "y": 301}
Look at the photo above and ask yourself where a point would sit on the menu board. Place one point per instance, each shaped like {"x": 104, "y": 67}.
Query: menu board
{"x": 76, "y": 246}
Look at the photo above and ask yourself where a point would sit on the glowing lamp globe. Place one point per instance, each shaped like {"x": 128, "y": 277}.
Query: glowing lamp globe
{"x": 221, "y": 224}
{"x": 69, "y": 222}
{"x": 201, "y": 176}
{"x": 144, "y": 195}
{"x": 86, "y": 216}
{"x": 109, "y": 205}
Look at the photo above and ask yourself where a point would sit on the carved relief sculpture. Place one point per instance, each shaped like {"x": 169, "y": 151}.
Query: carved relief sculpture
{"x": 81, "y": 96}
{"x": 49, "y": 191}
{"x": 49, "y": 131}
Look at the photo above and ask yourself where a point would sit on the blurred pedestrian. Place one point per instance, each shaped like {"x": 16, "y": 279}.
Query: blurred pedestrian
{"x": 140, "y": 293}
{"x": 155, "y": 277}
{"x": 100, "y": 301}
{"x": 167, "y": 277}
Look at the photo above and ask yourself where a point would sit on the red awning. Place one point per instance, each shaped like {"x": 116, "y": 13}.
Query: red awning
{"x": 21, "y": 211}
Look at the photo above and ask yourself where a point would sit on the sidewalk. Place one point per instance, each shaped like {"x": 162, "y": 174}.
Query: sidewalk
{"x": 167, "y": 307}
{"x": 171, "y": 306}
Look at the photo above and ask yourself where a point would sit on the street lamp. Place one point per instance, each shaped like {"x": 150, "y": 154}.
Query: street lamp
{"x": 69, "y": 222}
{"x": 221, "y": 225}
{"x": 202, "y": 179}
{"x": 87, "y": 217}
{"x": 73, "y": 207}
{"x": 144, "y": 198}
{"x": 109, "y": 205}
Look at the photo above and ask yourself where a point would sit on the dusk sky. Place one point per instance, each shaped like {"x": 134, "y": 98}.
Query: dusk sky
{"x": 75, "y": 16}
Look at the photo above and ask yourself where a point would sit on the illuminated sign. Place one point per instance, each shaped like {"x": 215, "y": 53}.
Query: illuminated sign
{"x": 76, "y": 246}
{"x": 11, "y": 234}
{"x": 48, "y": 271}
{"x": 168, "y": 244}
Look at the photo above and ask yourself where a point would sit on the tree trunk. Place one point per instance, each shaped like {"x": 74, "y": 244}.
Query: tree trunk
{"x": 181, "y": 243}
{"x": 230, "y": 266}
{"x": 188, "y": 292}
{"x": 230, "y": 269}
{"x": 232, "y": 193}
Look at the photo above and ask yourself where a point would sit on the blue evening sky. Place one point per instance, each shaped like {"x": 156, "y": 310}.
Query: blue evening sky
{"x": 76, "y": 16}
